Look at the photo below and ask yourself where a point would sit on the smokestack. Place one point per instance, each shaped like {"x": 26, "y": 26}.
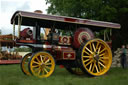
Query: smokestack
{"x": 38, "y": 11}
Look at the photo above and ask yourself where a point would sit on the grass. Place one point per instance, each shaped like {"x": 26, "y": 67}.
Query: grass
{"x": 12, "y": 75}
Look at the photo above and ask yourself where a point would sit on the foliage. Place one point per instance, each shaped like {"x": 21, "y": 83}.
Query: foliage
{"x": 105, "y": 10}
{"x": 22, "y": 49}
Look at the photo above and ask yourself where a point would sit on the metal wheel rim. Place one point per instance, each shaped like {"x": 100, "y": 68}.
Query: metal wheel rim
{"x": 42, "y": 64}
{"x": 24, "y": 64}
{"x": 96, "y": 57}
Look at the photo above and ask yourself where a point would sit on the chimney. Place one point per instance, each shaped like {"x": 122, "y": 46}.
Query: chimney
{"x": 38, "y": 11}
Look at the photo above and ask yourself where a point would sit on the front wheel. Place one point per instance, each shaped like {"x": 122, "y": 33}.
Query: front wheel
{"x": 95, "y": 57}
{"x": 42, "y": 64}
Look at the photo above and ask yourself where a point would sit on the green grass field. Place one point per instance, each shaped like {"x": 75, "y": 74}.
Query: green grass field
{"x": 12, "y": 75}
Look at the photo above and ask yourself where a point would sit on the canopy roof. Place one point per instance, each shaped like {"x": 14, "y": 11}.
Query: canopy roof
{"x": 60, "y": 22}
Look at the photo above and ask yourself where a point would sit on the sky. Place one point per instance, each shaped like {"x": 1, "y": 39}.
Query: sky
{"x": 8, "y": 8}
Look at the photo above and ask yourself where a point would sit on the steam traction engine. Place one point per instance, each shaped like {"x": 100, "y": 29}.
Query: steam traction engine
{"x": 78, "y": 51}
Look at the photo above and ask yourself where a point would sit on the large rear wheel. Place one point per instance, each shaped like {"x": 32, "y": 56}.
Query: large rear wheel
{"x": 42, "y": 64}
{"x": 96, "y": 57}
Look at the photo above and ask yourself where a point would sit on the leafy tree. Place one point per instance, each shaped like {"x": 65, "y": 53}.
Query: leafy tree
{"x": 104, "y": 10}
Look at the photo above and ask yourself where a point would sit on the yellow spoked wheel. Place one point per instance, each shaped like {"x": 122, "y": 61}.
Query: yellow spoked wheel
{"x": 24, "y": 64}
{"x": 76, "y": 71}
{"x": 96, "y": 57}
{"x": 42, "y": 64}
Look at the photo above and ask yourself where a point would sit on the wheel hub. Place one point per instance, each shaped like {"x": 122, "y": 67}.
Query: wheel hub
{"x": 42, "y": 65}
{"x": 96, "y": 57}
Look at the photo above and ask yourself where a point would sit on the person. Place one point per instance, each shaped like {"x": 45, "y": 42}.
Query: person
{"x": 127, "y": 56}
{"x": 123, "y": 56}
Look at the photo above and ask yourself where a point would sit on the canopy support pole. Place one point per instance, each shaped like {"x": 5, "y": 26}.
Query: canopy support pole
{"x": 19, "y": 26}
{"x": 13, "y": 36}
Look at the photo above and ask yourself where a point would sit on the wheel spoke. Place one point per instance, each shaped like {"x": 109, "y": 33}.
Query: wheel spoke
{"x": 86, "y": 52}
{"x": 99, "y": 49}
{"x": 48, "y": 64}
{"x": 87, "y": 57}
{"x": 88, "y": 63}
{"x": 104, "y": 58}
{"x": 38, "y": 59}
{"x": 89, "y": 50}
{"x": 41, "y": 57}
{"x": 36, "y": 62}
{"x": 45, "y": 70}
{"x": 43, "y": 73}
{"x": 99, "y": 67}
{"x": 90, "y": 67}
{"x": 47, "y": 67}
{"x": 90, "y": 46}
{"x": 34, "y": 66}
{"x": 86, "y": 60}
{"x": 97, "y": 45}
{"x": 47, "y": 61}
{"x": 94, "y": 47}
{"x": 93, "y": 67}
{"x": 102, "y": 50}
{"x": 39, "y": 71}
{"x": 102, "y": 54}
{"x": 102, "y": 64}
{"x": 96, "y": 68}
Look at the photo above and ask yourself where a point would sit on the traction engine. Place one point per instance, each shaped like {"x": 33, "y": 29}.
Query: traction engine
{"x": 78, "y": 51}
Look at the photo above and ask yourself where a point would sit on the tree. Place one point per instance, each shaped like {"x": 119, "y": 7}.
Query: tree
{"x": 104, "y": 10}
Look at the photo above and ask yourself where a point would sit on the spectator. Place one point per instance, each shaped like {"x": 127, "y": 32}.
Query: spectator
{"x": 123, "y": 56}
{"x": 127, "y": 56}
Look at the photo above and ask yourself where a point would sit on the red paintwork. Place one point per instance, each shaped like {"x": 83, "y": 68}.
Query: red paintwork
{"x": 10, "y": 61}
{"x": 71, "y": 53}
{"x": 26, "y": 41}
{"x": 70, "y": 19}
{"x": 65, "y": 40}
{"x": 61, "y": 66}
{"x": 63, "y": 55}
{"x": 79, "y": 37}
{"x": 24, "y": 34}
{"x": 60, "y": 52}
{"x": 47, "y": 43}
